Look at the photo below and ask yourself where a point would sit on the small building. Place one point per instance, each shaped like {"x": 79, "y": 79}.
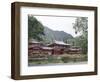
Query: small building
{"x": 33, "y": 51}
{"x": 34, "y": 43}
{"x": 75, "y": 50}
{"x": 37, "y": 48}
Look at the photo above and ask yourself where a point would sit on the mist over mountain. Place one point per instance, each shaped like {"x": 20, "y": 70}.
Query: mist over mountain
{"x": 51, "y": 35}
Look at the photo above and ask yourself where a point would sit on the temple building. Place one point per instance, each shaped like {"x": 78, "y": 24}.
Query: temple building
{"x": 59, "y": 47}
{"x": 55, "y": 48}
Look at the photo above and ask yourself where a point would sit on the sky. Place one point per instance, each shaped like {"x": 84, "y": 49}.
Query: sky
{"x": 58, "y": 23}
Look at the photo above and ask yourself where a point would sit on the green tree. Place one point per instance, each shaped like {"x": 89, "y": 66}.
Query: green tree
{"x": 81, "y": 26}
{"x": 35, "y": 28}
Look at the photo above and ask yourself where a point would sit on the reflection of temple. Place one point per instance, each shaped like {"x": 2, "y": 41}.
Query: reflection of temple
{"x": 56, "y": 48}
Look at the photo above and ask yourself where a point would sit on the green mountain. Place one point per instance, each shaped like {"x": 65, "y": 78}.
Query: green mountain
{"x": 51, "y": 35}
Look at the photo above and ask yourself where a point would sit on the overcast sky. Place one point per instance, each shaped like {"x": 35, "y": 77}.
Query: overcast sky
{"x": 58, "y": 23}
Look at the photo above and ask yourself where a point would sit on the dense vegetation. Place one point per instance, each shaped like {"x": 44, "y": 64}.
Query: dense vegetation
{"x": 35, "y": 29}
{"x": 81, "y": 26}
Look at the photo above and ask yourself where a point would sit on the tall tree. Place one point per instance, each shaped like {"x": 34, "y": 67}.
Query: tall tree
{"x": 35, "y": 28}
{"x": 81, "y": 26}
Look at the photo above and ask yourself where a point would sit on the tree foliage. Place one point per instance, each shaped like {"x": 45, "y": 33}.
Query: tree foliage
{"x": 35, "y": 28}
{"x": 81, "y": 26}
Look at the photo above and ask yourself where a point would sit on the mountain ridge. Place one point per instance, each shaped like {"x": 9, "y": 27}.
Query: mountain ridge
{"x": 51, "y": 35}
